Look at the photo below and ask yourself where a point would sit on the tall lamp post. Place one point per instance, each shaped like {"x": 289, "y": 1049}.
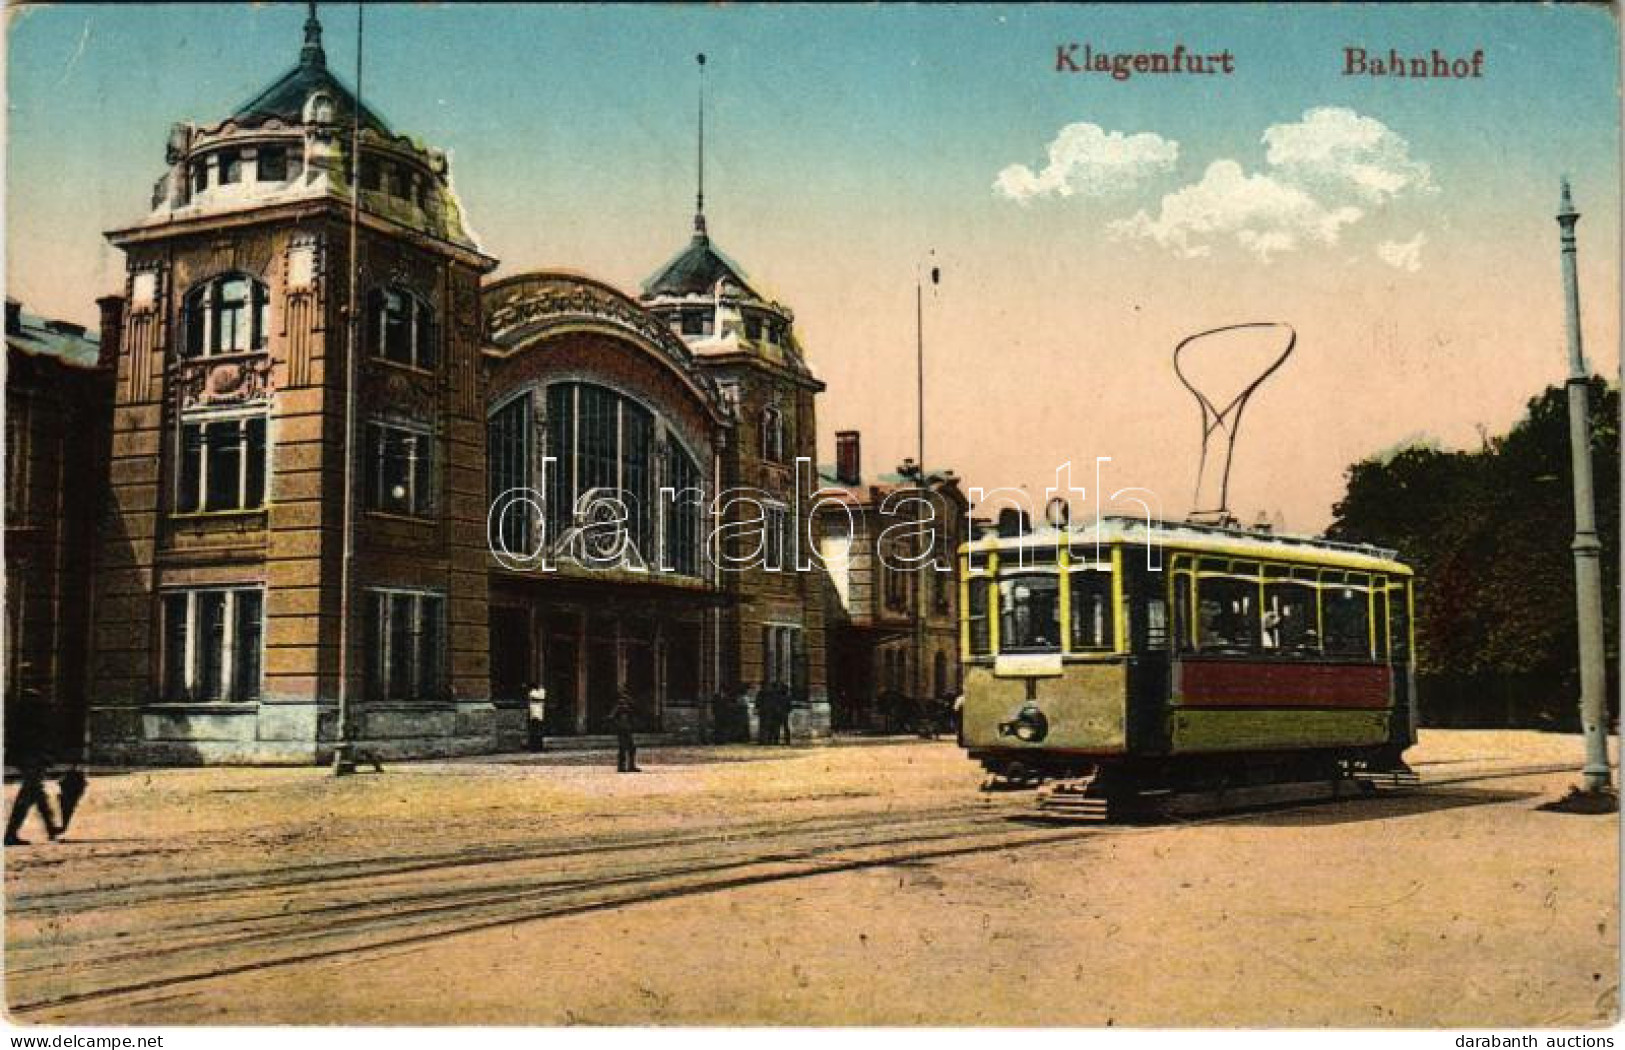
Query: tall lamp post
{"x": 1587, "y": 548}
{"x": 920, "y": 680}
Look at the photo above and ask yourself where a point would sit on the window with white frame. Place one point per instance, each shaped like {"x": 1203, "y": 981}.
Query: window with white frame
{"x": 400, "y": 469}
{"x": 400, "y": 328}
{"x": 405, "y": 645}
{"x": 212, "y": 643}
{"x": 226, "y": 315}
{"x": 221, "y": 462}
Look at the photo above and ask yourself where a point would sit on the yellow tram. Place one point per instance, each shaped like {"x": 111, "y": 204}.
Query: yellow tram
{"x": 1154, "y": 657}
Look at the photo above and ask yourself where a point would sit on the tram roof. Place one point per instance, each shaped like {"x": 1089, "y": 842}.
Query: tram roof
{"x": 1203, "y": 539}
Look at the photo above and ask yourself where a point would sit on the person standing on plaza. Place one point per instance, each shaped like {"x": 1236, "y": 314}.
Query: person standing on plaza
{"x": 28, "y": 748}
{"x": 624, "y": 719}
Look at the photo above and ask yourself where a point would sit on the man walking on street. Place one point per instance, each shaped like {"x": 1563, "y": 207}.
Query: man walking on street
{"x": 28, "y": 749}
{"x": 626, "y": 748}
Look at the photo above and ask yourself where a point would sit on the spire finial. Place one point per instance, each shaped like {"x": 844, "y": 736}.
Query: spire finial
{"x": 312, "y": 54}
{"x": 699, "y": 196}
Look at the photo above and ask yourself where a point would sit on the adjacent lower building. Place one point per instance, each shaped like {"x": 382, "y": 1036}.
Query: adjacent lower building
{"x": 892, "y": 613}
{"x": 59, "y": 396}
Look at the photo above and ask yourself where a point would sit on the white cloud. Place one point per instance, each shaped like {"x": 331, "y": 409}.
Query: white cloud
{"x": 1403, "y": 255}
{"x": 1262, "y": 213}
{"x": 1087, "y": 160}
{"x": 1337, "y": 150}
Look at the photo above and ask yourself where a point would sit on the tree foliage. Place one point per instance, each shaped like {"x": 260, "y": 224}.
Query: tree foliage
{"x": 1489, "y": 536}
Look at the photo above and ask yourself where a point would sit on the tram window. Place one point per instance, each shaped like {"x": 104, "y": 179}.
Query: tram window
{"x": 976, "y": 613}
{"x": 1156, "y": 622}
{"x": 1347, "y": 619}
{"x": 1400, "y": 624}
{"x": 1289, "y": 618}
{"x": 1091, "y": 610}
{"x": 1380, "y": 625}
{"x": 1227, "y": 611}
{"x": 1030, "y": 613}
{"x": 1184, "y": 639}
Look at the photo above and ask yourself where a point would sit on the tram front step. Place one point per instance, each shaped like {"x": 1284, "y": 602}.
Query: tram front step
{"x": 1191, "y": 803}
{"x": 1395, "y": 778}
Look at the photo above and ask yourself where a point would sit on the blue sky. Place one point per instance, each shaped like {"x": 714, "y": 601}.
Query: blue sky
{"x": 845, "y": 143}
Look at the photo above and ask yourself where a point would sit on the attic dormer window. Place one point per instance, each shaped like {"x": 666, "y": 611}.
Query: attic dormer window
{"x": 272, "y": 164}
{"x": 230, "y": 164}
{"x": 319, "y": 109}
{"x": 753, "y": 327}
{"x": 400, "y": 182}
{"x": 697, "y": 322}
{"x": 371, "y": 177}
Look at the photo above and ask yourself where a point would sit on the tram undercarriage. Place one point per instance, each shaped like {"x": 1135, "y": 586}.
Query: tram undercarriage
{"x": 1200, "y": 784}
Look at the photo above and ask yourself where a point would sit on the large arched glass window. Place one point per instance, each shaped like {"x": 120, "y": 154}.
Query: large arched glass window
{"x": 600, "y": 439}
{"x": 226, "y": 315}
{"x": 400, "y": 328}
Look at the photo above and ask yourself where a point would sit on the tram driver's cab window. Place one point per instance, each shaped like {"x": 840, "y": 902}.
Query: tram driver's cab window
{"x": 1091, "y": 601}
{"x": 1030, "y": 613}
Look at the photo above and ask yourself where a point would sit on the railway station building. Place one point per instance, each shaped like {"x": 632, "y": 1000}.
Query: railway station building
{"x": 250, "y": 607}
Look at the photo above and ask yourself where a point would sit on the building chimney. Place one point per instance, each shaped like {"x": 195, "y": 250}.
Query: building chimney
{"x": 112, "y": 307}
{"x": 848, "y": 458}
{"x": 14, "y": 316}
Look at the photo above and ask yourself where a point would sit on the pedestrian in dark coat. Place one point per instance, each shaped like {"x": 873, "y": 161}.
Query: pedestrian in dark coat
{"x": 28, "y": 748}
{"x": 624, "y": 719}
{"x": 787, "y": 704}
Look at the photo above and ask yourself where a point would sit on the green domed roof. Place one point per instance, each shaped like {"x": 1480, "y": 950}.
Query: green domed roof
{"x": 285, "y": 99}
{"x": 695, "y": 271}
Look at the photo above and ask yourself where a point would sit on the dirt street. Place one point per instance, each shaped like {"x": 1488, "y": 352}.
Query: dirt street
{"x": 849, "y": 884}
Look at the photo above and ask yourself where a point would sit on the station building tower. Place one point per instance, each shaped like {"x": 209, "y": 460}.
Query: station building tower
{"x": 221, "y": 593}
{"x": 773, "y": 625}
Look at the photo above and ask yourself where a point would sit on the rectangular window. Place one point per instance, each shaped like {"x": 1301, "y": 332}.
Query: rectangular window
{"x": 976, "y": 614}
{"x": 683, "y": 511}
{"x": 400, "y": 182}
{"x": 272, "y": 163}
{"x": 400, "y": 470}
{"x": 212, "y": 642}
{"x": 1289, "y": 626}
{"x": 508, "y": 467}
{"x": 1348, "y": 621}
{"x": 1156, "y": 623}
{"x": 1091, "y": 609}
{"x": 753, "y": 327}
{"x": 697, "y": 322}
{"x": 200, "y": 176}
{"x": 370, "y": 176}
{"x": 1227, "y": 614}
{"x": 221, "y": 464}
{"x": 231, "y": 166}
{"x": 405, "y": 645}
{"x": 777, "y": 526}
{"x": 1030, "y": 613}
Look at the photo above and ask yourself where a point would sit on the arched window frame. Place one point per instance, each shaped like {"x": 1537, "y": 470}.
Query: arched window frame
{"x": 401, "y": 328}
{"x": 216, "y": 320}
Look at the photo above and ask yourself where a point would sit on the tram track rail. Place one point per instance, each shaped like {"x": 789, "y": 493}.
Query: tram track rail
{"x": 102, "y": 947}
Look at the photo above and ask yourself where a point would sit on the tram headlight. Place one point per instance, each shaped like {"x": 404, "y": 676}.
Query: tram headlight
{"x": 1029, "y": 726}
